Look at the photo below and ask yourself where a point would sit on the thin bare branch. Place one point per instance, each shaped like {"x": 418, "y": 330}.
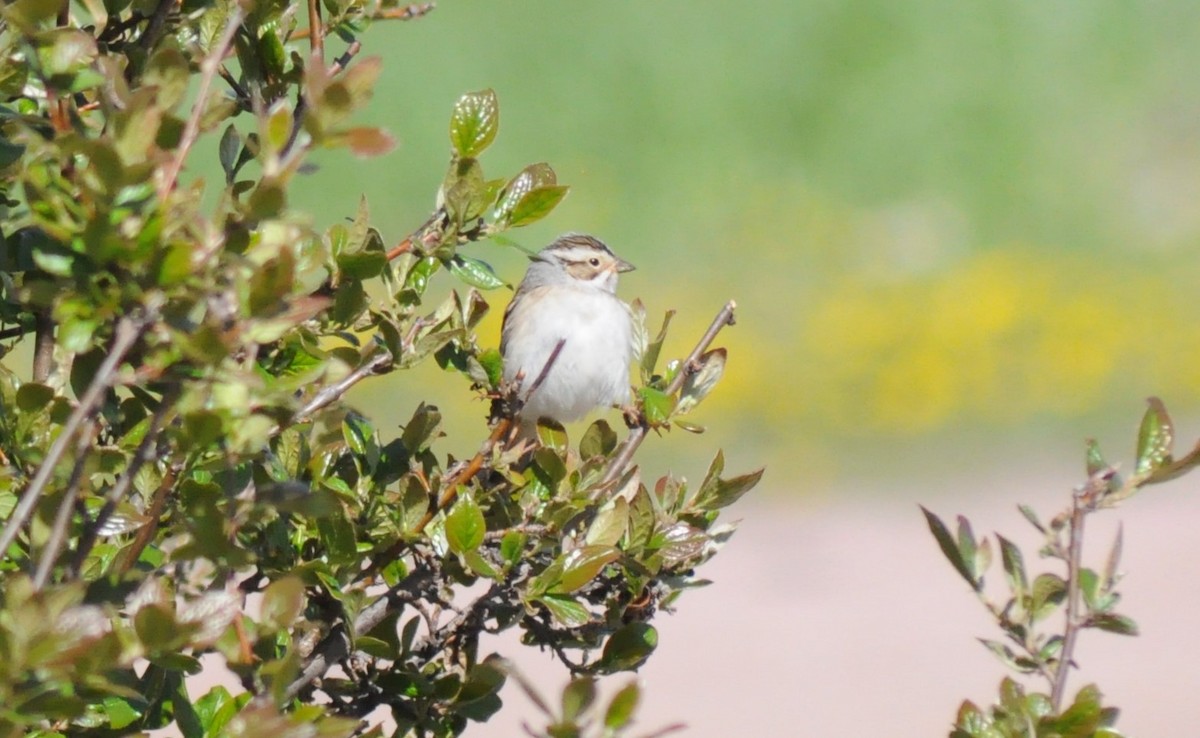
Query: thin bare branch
{"x": 15, "y": 331}
{"x": 344, "y": 60}
{"x": 157, "y": 25}
{"x": 336, "y": 646}
{"x": 638, "y": 433}
{"x": 208, "y": 70}
{"x": 330, "y": 394}
{"x": 145, "y": 452}
{"x": 145, "y": 534}
{"x": 124, "y": 336}
{"x": 1080, "y": 506}
{"x": 43, "y": 346}
{"x": 62, "y": 519}
{"x": 316, "y": 32}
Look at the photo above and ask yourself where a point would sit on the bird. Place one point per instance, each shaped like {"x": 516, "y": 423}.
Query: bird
{"x": 568, "y": 294}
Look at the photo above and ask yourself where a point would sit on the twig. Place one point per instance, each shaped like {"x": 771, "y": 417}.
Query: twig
{"x": 344, "y": 60}
{"x": 331, "y": 393}
{"x": 156, "y": 26}
{"x": 145, "y": 452}
{"x": 58, "y": 532}
{"x": 15, "y": 331}
{"x": 1080, "y": 501}
{"x": 208, "y": 69}
{"x": 451, "y": 483}
{"x": 316, "y": 32}
{"x": 422, "y": 235}
{"x": 412, "y": 11}
{"x": 450, "y": 486}
{"x": 43, "y": 346}
{"x": 145, "y": 533}
{"x": 336, "y": 646}
{"x": 124, "y": 336}
{"x": 638, "y": 433}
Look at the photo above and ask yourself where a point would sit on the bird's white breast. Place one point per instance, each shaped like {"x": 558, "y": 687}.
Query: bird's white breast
{"x": 591, "y": 371}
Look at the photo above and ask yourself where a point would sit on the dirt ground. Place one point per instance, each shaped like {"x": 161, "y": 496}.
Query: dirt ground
{"x": 840, "y": 619}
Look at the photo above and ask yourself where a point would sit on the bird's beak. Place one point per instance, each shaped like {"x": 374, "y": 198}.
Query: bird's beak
{"x": 624, "y": 266}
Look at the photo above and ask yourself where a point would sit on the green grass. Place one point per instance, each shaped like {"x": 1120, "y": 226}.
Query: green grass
{"x": 797, "y": 154}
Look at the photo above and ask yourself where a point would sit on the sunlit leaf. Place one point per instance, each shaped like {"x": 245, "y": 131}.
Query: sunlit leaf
{"x": 474, "y": 122}
{"x": 1155, "y": 438}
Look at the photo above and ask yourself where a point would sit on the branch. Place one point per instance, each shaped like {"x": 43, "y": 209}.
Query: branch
{"x": 144, "y": 535}
{"x": 330, "y": 394}
{"x": 43, "y": 346}
{"x": 336, "y": 646}
{"x": 1080, "y": 505}
{"x": 15, "y": 331}
{"x": 145, "y": 452}
{"x": 158, "y": 23}
{"x": 423, "y": 235}
{"x": 58, "y": 532}
{"x": 124, "y": 336}
{"x": 208, "y": 69}
{"x": 316, "y": 32}
{"x": 467, "y": 472}
{"x": 638, "y": 433}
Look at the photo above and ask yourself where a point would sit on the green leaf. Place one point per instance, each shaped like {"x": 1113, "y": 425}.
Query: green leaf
{"x": 1047, "y": 593}
{"x": 512, "y": 546}
{"x": 120, "y": 712}
{"x": 32, "y": 397}
{"x": 536, "y": 204}
{"x": 599, "y": 440}
{"x": 1032, "y": 517}
{"x": 474, "y": 122}
{"x": 465, "y": 526}
{"x": 475, "y": 272}
{"x": 950, "y": 549}
{"x": 338, "y": 535}
{"x": 628, "y": 648}
{"x": 228, "y": 150}
{"x": 168, "y": 71}
{"x": 365, "y": 264}
{"x": 699, "y": 383}
{"x": 553, "y": 438}
{"x": 424, "y": 427}
{"x": 967, "y": 546}
{"x": 1009, "y": 657}
{"x": 610, "y": 523}
{"x": 582, "y": 565}
{"x": 654, "y": 348}
{"x": 1155, "y": 438}
{"x": 282, "y": 603}
{"x": 1114, "y": 623}
{"x": 529, "y": 178}
{"x": 493, "y": 364}
{"x": 1014, "y": 566}
{"x": 656, "y": 405}
{"x": 716, "y": 492}
{"x": 620, "y": 710}
{"x": 577, "y": 697}
{"x": 566, "y": 610}
{"x": 481, "y": 566}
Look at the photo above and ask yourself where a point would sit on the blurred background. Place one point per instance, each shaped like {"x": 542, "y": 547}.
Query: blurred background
{"x": 962, "y": 237}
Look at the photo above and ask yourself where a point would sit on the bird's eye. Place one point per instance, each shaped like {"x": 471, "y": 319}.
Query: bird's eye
{"x": 594, "y": 261}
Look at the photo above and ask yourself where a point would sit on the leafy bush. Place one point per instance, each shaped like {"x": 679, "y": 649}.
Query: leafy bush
{"x": 179, "y": 474}
{"x": 1084, "y": 598}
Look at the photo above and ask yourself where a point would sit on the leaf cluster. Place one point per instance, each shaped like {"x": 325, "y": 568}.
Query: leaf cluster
{"x": 179, "y": 475}
{"x": 1081, "y": 597}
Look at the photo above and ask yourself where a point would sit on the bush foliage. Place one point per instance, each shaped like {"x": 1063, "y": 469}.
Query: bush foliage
{"x": 1081, "y": 598}
{"x": 179, "y": 475}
